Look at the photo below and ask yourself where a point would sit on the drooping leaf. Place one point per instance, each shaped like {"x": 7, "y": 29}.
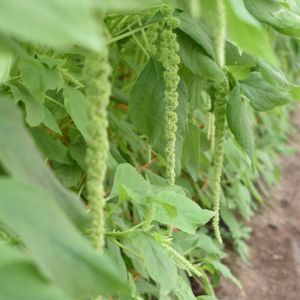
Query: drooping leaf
{"x": 194, "y": 58}
{"x": 239, "y": 121}
{"x": 59, "y": 250}
{"x": 263, "y": 95}
{"x": 76, "y": 106}
{"x": 196, "y": 32}
{"x": 147, "y": 110}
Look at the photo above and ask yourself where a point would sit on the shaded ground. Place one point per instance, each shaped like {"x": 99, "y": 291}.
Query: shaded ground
{"x": 273, "y": 272}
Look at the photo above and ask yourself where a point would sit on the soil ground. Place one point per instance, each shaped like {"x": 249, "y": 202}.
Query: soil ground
{"x": 273, "y": 270}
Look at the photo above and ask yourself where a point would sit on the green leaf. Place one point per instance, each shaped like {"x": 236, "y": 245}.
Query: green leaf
{"x": 239, "y": 122}
{"x": 76, "y": 107}
{"x": 263, "y": 95}
{"x": 50, "y": 22}
{"x": 128, "y": 177}
{"x": 50, "y": 122}
{"x": 20, "y": 278}
{"x": 20, "y": 158}
{"x": 160, "y": 267}
{"x": 189, "y": 214}
{"x": 196, "y": 32}
{"x": 38, "y": 78}
{"x": 59, "y": 250}
{"x": 183, "y": 290}
{"x": 246, "y": 32}
{"x": 194, "y": 58}
{"x": 35, "y": 112}
{"x": 147, "y": 111}
{"x": 276, "y": 15}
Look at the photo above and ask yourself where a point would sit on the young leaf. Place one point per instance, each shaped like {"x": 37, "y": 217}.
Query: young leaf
{"x": 51, "y": 22}
{"x": 239, "y": 122}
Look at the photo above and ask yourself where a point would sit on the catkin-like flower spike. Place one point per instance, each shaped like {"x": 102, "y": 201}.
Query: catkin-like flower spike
{"x": 170, "y": 61}
{"x": 220, "y": 116}
{"x": 98, "y": 88}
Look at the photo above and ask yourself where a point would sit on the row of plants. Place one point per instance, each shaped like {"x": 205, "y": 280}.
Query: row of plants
{"x": 136, "y": 138}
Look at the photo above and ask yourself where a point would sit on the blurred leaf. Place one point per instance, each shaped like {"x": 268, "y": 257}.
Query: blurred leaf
{"x": 239, "y": 122}
{"x": 50, "y": 122}
{"x": 19, "y": 156}
{"x": 246, "y": 32}
{"x": 20, "y": 278}
{"x": 69, "y": 175}
{"x": 51, "y": 22}
{"x": 183, "y": 290}
{"x": 61, "y": 253}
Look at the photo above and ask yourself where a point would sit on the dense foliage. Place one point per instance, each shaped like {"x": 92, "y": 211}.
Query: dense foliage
{"x": 126, "y": 128}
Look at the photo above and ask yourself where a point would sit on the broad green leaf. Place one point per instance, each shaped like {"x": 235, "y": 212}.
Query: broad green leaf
{"x": 147, "y": 111}
{"x": 189, "y": 214}
{"x": 196, "y": 32}
{"x": 38, "y": 78}
{"x": 239, "y": 121}
{"x": 194, "y": 58}
{"x": 76, "y": 106}
{"x": 50, "y": 22}
{"x": 157, "y": 262}
{"x": 275, "y": 14}
{"x": 246, "y": 32}
{"x": 20, "y": 278}
{"x": 20, "y": 158}
{"x": 60, "y": 251}
{"x": 127, "y": 176}
{"x": 34, "y": 110}
{"x": 263, "y": 95}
